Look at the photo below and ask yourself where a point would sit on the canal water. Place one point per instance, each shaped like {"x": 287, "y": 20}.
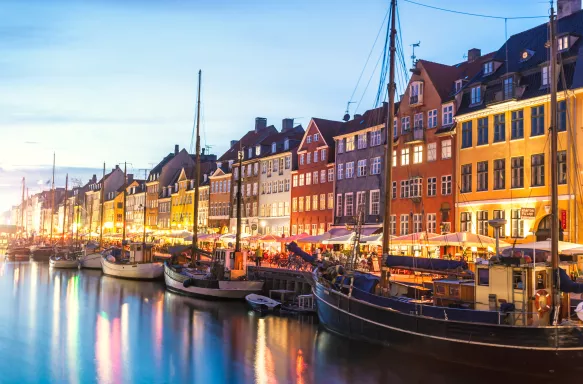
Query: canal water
{"x": 70, "y": 326}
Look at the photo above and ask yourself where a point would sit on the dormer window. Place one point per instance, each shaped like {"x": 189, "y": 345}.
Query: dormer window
{"x": 458, "y": 85}
{"x": 257, "y": 150}
{"x": 545, "y": 73}
{"x": 476, "y": 95}
{"x": 286, "y": 144}
{"x": 416, "y": 93}
{"x": 273, "y": 147}
{"x": 316, "y": 137}
{"x": 230, "y": 164}
{"x": 508, "y": 88}
{"x": 309, "y": 139}
{"x": 488, "y": 68}
{"x": 250, "y": 153}
{"x": 563, "y": 43}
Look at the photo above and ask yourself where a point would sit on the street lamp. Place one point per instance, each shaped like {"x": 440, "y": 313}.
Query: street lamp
{"x": 497, "y": 224}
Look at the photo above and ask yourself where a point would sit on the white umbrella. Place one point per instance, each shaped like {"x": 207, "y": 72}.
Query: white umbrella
{"x": 545, "y": 245}
{"x": 466, "y": 240}
{"x": 414, "y": 238}
{"x": 345, "y": 239}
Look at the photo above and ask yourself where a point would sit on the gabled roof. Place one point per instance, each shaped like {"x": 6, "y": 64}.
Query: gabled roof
{"x": 251, "y": 138}
{"x": 328, "y": 129}
{"x": 370, "y": 118}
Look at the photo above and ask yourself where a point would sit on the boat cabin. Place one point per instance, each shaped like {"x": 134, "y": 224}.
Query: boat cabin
{"x": 235, "y": 262}
{"x": 141, "y": 252}
{"x": 453, "y": 293}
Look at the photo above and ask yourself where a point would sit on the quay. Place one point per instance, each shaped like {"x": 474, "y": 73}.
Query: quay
{"x": 281, "y": 279}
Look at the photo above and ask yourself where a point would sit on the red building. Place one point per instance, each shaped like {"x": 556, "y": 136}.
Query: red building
{"x": 424, "y": 155}
{"x": 313, "y": 182}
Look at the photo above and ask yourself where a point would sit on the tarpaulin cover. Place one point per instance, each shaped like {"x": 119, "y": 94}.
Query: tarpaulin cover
{"x": 362, "y": 281}
{"x": 567, "y": 285}
{"x": 293, "y": 247}
{"x": 424, "y": 263}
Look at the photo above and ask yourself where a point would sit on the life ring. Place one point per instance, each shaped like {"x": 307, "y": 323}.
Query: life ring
{"x": 542, "y": 301}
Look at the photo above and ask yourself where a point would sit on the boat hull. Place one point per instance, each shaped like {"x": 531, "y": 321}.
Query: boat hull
{"x": 503, "y": 348}
{"x": 144, "y": 271}
{"x": 227, "y": 290}
{"x": 63, "y": 264}
{"x": 262, "y": 304}
{"x": 91, "y": 261}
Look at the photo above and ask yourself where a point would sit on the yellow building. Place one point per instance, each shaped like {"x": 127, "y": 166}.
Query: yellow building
{"x": 182, "y": 206}
{"x": 113, "y": 213}
{"x": 503, "y": 146}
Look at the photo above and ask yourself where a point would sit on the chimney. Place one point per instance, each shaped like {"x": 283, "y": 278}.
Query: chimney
{"x": 260, "y": 123}
{"x": 287, "y": 124}
{"x": 176, "y": 149}
{"x": 474, "y": 54}
{"x": 94, "y": 178}
{"x": 567, "y": 7}
{"x": 233, "y": 142}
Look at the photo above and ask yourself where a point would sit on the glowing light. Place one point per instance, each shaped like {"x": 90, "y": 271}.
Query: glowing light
{"x": 56, "y": 320}
{"x": 102, "y": 346}
{"x": 263, "y": 359}
{"x": 73, "y": 328}
{"x": 300, "y": 367}
{"x": 125, "y": 344}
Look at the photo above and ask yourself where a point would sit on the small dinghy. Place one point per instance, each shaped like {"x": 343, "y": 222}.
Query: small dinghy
{"x": 262, "y": 304}
{"x": 64, "y": 261}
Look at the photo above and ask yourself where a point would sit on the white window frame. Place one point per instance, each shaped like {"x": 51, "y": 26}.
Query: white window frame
{"x": 361, "y": 168}
{"x": 375, "y": 166}
{"x": 447, "y": 114}
{"x": 446, "y": 149}
{"x": 375, "y": 202}
{"x": 418, "y": 154}
{"x": 432, "y": 151}
{"x": 351, "y": 195}
{"x": 476, "y": 95}
{"x": 405, "y": 124}
{"x": 432, "y": 118}
{"x": 405, "y": 157}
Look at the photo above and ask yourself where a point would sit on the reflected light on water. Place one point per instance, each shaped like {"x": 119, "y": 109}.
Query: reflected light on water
{"x": 158, "y": 309}
{"x": 102, "y": 348}
{"x": 72, "y": 300}
{"x": 16, "y": 278}
{"x": 300, "y": 367}
{"x": 125, "y": 342}
{"x": 263, "y": 360}
{"x": 56, "y": 318}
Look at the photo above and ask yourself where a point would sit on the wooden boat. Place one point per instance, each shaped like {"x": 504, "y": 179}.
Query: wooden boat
{"x": 18, "y": 253}
{"x": 64, "y": 260}
{"x": 262, "y": 304}
{"x": 223, "y": 281}
{"x": 91, "y": 258}
{"x": 42, "y": 253}
{"x": 138, "y": 266}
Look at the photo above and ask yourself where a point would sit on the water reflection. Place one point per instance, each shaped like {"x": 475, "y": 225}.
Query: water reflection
{"x": 82, "y": 327}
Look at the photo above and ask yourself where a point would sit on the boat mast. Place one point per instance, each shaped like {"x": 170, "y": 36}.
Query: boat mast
{"x": 196, "y": 172}
{"x": 65, "y": 208}
{"x": 125, "y": 186}
{"x": 554, "y": 175}
{"x": 240, "y": 155}
{"x": 389, "y": 134}
{"x": 144, "y": 187}
{"x": 22, "y": 208}
{"x": 53, "y": 197}
{"x": 102, "y": 201}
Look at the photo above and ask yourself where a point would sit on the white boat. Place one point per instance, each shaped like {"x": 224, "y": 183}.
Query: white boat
{"x": 90, "y": 261}
{"x": 182, "y": 280}
{"x": 63, "y": 261}
{"x": 262, "y": 304}
{"x": 139, "y": 265}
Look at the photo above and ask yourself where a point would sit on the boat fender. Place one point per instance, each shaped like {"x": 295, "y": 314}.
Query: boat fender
{"x": 111, "y": 259}
{"x": 542, "y": 301}
{"x": 188, "y": 283}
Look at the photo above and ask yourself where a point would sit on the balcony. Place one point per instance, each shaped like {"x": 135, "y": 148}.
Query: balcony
{"x": 414, "y": 136}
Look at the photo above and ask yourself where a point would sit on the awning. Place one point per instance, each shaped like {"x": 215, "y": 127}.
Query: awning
{"x": 417, "y": 238}
{"x": 269, "y": 238}
{"x": 296, "y": 238}
{"x": 545, "y": 245}
{"x": 315, "y": 239}
{"x": 345, "y": 239}
{"x": 466, "y": 240}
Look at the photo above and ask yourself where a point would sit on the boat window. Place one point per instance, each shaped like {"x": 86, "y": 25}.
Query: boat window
{"x": 440, "y": 289}
{"x": 540, "y": 280}
{"x": 454, "y": 291}
{"x": 517, "y": 282}
{"x": 483, "y": 276}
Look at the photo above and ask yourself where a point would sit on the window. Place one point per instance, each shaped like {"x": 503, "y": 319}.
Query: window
{"x": 499, "y": 128}
{"x": 339, "y": 205}
{"x": 466, "y": 221}
{"x": 537, "y": 120}
{"x": 484, "y": 276}
{"x": 394, "y": 194}
{"x": 350, "y": 143}
{"x": 361, "y": 170}
{"x": 447, "y": 114}
{"x": 488, "y": 68}
{"x": 404, "y": 189}
{"x": 302, "y": 159}
{"x": 417, "y": 154}
{"x": 405, "y": 124}
{"x": 294, "y": 230}
{"x": 545, "y": 75}
{"x": 330, "y": 174}
{"x": 508, "y": 88}
{"x": 431, "y": 151}
{"x": 482, "y": 219}
{"x": 322, "y": 176}
{"x": 517, "y": 125}
{"x": 446, "y": 185}
{"x": 375, "y": 137}
{"x": 482, "y": 176}
{"x": 330, "y": 200}
{"x": 375, "y": 202}
{"x": 500, "y": 174}
{"x": 431, "y": 222}
{"x": 516, "y": 224}
{"x": 287, "y": 162}
{"x": 417, "y": 223}
{"x": 340, "y": 168}
{"x": 446, "y": 149}
{"x": 362, "y": 141}
{"x": 349, "y": 202}
{"x": 294, "y": 204}
{"x": 537, "y": 170}
{"x": 315, "y": 176}
{"x": 416, "y": 92}
{"x": 404, "y": 225}
{"x": 309, "y": 158}
{"x": 350, "y": 169}
{"x": 264, "y": 167}
{"x": 499, "y": 214}
{"x": 393, "y": 227}
{"x": 418, "y": 121}
{"x": 273, "y": 147}
{"x": 432, "y": 118}
{"x": 375, "y": 165}
{"x": 302, "y": 177}
{"x": 476, "y": 95}
{"x": 308, "y": 178}
{"x": 309, "y": 139}
{"x": 294, "y": 181}
{"x": 315, "y": 202}
{"x": 340, "y": 145}
{"x": 322, "y": 201}
{"x": 483, "y": 131}
{"x": 280, "y": 186}
{"x": 316, "y": 137}
{"x": 405, "y": 156}
{"x": 287, "y": 185}
{"x": 467, "y": 134}
{"x": 415, "y": 187}
{"x": 308, "y": 207}
{"x": 563, "y": 42}
{"x": 431, "y": 186}
{"x": 466, "y": 178}
{"x": 517, "y": 164}
{"x": 458, "y": 85}
{"x": 255, "y": 187}
{"x": 562, "y": 115}
{"x": 562, "y": 164}
{"x": 395, "y": 127}
{"x": 360, "y": 203}
{"x": 394, "y": 158}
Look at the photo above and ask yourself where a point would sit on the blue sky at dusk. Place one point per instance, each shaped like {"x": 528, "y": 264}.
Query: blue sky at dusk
{"x": 115, "y": 80}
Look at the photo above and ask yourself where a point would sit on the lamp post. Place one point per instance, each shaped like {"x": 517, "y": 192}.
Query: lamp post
{"x": 497, "y": 224}
{"x": 239, "y": 186}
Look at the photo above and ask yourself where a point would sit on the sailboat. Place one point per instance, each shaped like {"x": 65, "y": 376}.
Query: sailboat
{"x": 545, "y": 342}
{"x": 140, "y": 264}
{"x": 91, "y": 258}
{"x": 65, "y": 257}
{"x": 223, "y": 278}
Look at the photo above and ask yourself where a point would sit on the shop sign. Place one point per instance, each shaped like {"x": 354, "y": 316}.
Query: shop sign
{"x": 527, "y": 213}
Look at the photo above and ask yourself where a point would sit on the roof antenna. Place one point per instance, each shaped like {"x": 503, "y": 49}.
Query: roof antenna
{"x": 413, "y": 57}
{"x": 346, "y": 114}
